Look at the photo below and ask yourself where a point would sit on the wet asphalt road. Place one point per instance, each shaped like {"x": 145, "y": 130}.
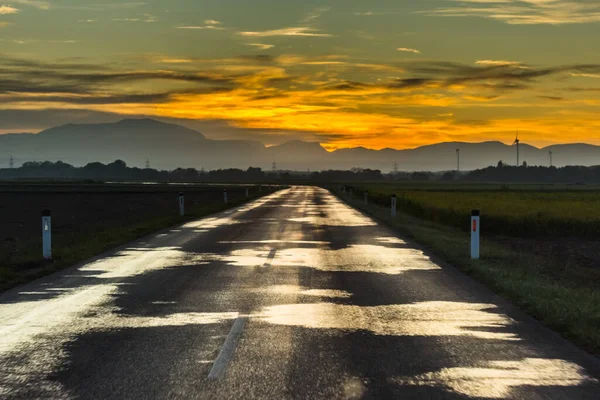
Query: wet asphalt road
{"x": 295, "y": 295}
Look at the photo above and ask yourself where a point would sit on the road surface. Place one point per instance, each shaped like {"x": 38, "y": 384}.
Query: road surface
{"x": 295, "y": 295}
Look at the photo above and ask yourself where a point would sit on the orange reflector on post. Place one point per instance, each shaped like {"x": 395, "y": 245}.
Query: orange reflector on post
{"x": 474, "y": 225}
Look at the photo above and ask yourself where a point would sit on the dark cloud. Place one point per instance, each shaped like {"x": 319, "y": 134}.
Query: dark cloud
{"x": 347, "y": 85}
{"x": 443, "y": 74}
{"x": 446, "y": 74}
{"x": 410, "y": 83}
{"x": 269, "y": 96}
{"x": 40, "y": 65}
{"x": 28, "y": 86}
{"x": 555, "y": 98}
{"x": 124, "y": 77}
{"x": 19, "y": 76}
{"x": 141, "y": 98}
{"x": 579, "y": 89}
{"x": 504, "y": 86}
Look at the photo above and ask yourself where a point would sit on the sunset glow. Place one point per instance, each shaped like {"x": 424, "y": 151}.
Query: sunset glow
{"x": 343, "y": 73}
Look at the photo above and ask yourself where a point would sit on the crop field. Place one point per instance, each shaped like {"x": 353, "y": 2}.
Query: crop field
{"x": 526, "y": 212}
{"x": 90, "y": 218}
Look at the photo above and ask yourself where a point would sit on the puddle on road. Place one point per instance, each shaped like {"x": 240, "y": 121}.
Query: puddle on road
{"x": 434, "y": 318}
{"x": 497, "y": 378}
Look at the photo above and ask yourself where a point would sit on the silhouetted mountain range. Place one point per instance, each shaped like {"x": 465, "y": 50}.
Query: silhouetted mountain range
{"x": 169, "y": 146}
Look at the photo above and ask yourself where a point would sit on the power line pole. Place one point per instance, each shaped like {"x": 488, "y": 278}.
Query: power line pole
{"x": 457, "y": 160}
{"x": 147, "y": 163}
{"x": 395, "y": 167}
{"x": 11, "y": 162}
{"x": 274, "y": 167}
{"x": 550, "y": 155}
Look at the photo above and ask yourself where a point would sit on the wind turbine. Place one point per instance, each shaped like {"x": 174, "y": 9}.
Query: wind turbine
{"x": 457, "y": 160}
{"x": 517, "y": 141}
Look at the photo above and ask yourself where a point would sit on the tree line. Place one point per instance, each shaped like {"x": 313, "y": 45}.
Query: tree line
{"x": 118, "y": 170}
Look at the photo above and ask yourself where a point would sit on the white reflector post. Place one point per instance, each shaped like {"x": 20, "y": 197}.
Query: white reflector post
{"x": 475, "y": 229}
{"x": 225, "y": 195}
{"x": 393, "y": 205}
{"x": 46, "y": 235}
{"x": 181, "y": 204}
{"x": 366, "y": 197}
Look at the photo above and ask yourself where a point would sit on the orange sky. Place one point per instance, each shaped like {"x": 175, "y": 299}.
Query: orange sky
{"x": 342, "y": 73}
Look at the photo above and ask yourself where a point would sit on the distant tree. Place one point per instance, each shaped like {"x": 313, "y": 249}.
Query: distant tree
{"x": 420, "y": 176}
{"x": 286, "y": 176}
{"x": 447, "y": 176}
{"x": 525, "y": 164}
{"x": 118, "y": 164}
{"x": 500, "y": 164}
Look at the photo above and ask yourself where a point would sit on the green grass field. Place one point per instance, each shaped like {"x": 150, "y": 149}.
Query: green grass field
{"x": 527, "y": 211}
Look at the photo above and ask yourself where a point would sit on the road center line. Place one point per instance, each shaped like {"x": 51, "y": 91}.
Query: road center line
{"x": 220, "y": 364}
{"x": 270, "y": 258}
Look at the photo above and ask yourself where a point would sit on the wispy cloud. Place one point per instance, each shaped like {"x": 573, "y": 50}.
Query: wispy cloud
{"x": 364, "y": 35}
{"x": 200, "y": 27}
{"x": 5, "y": 10}
{"x": 28, "y": 41}
{"x": 149, "y": 18}
{"x": 293, "y": 31}
{"x": 261, "y": 46}
{"x": 524, "y": 12}
{"x": 208, "y": 24}
{"x": 170, "y": 60}
{"x": 498, "y": 62}
{"x": 587, "y": 75}
{"x": 69, "y": 41}
{"x": 102, "y": 7}
{"x": 409, "y": 50}
{"x": 376, "y": 13}
{"x": 315, "y": 14}
{"x": 43, "y": 5}
{"x": 502, "y": 63}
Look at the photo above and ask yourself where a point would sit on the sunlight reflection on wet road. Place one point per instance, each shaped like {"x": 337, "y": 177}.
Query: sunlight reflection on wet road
{"x": 310, "y": 274}
{"x": 421, "y": 319}
{"x": 495, "y": 380}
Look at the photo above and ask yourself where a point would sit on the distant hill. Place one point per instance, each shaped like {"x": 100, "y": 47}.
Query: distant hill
{"x": 169, "y": 146}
